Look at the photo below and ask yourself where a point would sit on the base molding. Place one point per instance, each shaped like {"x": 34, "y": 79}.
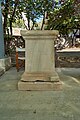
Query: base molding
{"x": 39, "y": 81}
{"x": 39, "y": 86}
{"x": 40, "y": 76}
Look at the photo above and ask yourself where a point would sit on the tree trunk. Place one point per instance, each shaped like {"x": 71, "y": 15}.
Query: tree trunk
{"x": 33, "y": 25}
{"x": 6, "y": 9}
{"x": 11, "y": 27}
{"x": 28, "y": 23}
{"x": 5, "y": 14}
{"x": 43, "y": 23}
{"x": 11, "y": 19}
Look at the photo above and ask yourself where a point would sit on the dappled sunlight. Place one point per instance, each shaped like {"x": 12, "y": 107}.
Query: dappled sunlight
{"x": 75, "y": 108}
{"x": 69, "y": 77}
{"x": 74, "y": 79}
{"x": 70, "y": 80}
{"x": 64, "y": 84}
{"x": 71, "y": 71}
{"x": 69, "y": 110}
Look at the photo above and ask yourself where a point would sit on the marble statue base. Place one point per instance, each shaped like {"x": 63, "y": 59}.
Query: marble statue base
{"x": 39, "y": 81}
{"x": 40, "y": 71}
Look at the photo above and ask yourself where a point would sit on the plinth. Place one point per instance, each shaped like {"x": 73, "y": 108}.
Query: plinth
{"x": 40, "y": 73}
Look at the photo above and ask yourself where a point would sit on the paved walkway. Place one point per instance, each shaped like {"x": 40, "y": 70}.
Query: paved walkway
{"x": 40, "y": 105}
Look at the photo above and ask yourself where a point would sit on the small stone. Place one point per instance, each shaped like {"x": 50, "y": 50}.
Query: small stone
{"x": 34, "y": 111}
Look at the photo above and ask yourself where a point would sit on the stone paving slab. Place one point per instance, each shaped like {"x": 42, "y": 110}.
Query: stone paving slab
{"x": 40, "y": 105}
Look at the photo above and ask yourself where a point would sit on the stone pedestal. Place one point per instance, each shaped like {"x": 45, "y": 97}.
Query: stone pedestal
{"x": 40, "y": 71}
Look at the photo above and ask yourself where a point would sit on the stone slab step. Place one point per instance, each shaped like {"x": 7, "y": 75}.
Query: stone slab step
{"x": 39, "y": 86}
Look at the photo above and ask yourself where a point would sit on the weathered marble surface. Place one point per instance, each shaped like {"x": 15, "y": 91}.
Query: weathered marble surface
{"x": 39, "y": 56}
{"x": 39, "y": 50}
{"x": 40, "y": 60}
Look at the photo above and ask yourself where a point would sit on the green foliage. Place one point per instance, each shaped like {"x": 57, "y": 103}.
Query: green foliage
{"x": 65, "y": 18}
{"x": 60, "y": 17}
{"x": 18, "y": 23}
